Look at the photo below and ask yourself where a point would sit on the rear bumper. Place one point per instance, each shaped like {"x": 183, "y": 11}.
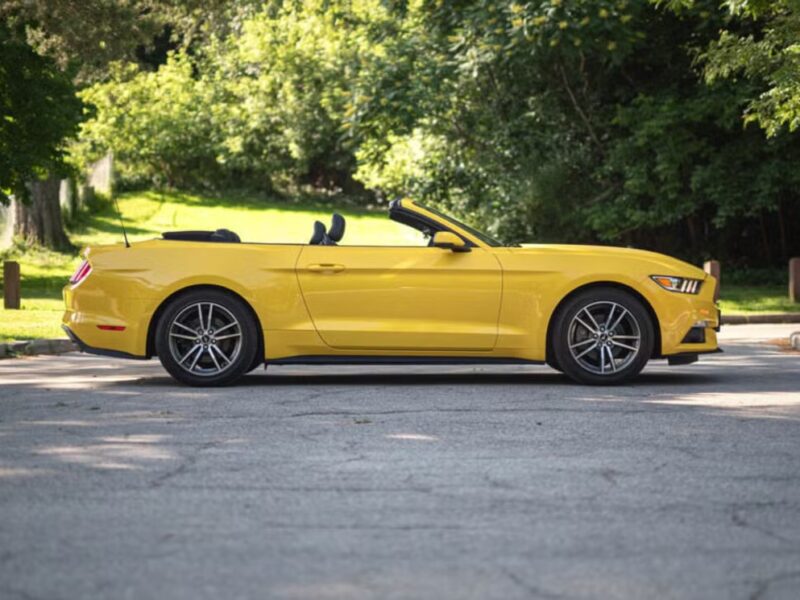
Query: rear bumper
{"x": 84, "y": 347}
{"x": 88, "y": 308}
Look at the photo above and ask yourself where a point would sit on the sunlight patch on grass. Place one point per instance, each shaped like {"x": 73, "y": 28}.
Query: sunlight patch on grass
{"x": 147, "y": 215}
{"x": 756, "y": 300}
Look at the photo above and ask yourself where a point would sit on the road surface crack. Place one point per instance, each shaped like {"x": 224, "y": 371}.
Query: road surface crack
{"x": 187, "y": 463}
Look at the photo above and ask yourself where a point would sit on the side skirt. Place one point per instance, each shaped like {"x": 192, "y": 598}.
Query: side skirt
{"x": 400, "y": 360}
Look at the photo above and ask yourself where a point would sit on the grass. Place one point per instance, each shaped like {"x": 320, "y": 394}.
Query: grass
{"x": 740, "y": 300}
{"x": 148, "y": 214}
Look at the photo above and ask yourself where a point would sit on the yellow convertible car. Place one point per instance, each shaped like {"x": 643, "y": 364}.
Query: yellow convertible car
{"x": 213, "y": 308}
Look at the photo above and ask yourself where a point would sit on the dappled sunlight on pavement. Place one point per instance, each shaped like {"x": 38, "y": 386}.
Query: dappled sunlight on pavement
{"x": 487, "y": 482}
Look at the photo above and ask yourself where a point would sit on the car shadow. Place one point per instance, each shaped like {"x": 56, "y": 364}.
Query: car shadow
{"x": 440, "y": 379}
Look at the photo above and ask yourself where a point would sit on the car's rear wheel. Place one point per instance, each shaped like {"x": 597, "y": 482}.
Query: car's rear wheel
{"x": 602, "y": 336}
{"x": 206, "y": 338}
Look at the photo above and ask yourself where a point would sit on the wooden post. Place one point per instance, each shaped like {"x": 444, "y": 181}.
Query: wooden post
{"x": 712, "y": 267}
{"x": 794, "y": 279}
{"x": 11, "y": 285}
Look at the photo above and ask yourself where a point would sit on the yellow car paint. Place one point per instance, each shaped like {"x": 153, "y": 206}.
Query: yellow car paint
{"x": 489, "y": 302}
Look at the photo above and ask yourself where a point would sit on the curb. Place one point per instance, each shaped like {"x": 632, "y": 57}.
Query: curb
{"x": 760, "y": 319}
{"x": 794, "y": 340}
{"x": 33, "y": 347}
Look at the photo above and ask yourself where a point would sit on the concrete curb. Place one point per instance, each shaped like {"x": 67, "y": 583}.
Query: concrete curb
{"x": 33, "y": 347}
{"x": 794, "y": 340}
{"x": 761, "y": 319}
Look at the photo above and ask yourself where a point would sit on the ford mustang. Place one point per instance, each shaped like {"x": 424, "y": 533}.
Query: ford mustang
{"x": 212, "y": 308}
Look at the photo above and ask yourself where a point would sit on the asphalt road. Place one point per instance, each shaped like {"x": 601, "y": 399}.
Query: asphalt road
{"x": 402, "y": 482}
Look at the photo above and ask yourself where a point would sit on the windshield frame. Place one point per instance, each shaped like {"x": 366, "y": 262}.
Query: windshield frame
{"x": 479, "y": 235}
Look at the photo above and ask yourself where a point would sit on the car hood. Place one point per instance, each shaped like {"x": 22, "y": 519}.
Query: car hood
{"x": 660, "y": 263}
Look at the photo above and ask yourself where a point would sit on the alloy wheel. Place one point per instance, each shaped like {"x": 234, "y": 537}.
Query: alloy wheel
{"x": 205, "y": 339}
{"x": 604, "y": 337}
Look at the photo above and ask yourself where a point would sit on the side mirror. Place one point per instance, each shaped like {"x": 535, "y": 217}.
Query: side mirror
{"x": 450, "y": 241}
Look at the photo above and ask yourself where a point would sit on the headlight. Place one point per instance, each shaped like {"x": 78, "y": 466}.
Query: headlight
{"x": 682, "y": 285}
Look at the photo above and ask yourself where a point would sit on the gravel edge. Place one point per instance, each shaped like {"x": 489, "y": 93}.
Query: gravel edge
{"x": 34, "y": 347}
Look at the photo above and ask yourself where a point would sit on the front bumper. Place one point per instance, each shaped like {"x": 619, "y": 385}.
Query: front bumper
{"x": 678, "y": 314}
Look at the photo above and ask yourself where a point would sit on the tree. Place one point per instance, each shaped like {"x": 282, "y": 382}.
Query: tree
{"x": 771, "y": 54}
{"x": 46, "y": 45}
{"x": 39, "y": 111}
{"x": 583, "y": 120}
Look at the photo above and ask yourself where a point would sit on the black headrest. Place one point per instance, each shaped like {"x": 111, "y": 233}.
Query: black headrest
{"x": 225, "y": 235}
{"x": 336, "y": 232}
{"x": 319, "y": 234}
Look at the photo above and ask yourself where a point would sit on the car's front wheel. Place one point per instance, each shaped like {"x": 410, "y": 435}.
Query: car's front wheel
{"x": 602, "y": 336}
{"x": 206, "y": 337}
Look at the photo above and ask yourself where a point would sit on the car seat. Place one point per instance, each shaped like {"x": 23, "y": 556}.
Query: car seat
{"x": 319, "y": 236}
{"x": 336, "y": 232}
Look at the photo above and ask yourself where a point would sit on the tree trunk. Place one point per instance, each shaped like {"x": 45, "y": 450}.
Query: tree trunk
{"x": 39, "y": 221}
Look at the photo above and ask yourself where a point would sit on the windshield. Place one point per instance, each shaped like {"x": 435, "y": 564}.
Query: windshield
{"x": 486, "y": 239}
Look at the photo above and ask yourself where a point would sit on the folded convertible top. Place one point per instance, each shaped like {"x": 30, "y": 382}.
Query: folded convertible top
{"x": 220, "y": 235}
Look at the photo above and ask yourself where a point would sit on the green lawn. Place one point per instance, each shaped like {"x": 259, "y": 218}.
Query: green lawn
{"x": 148, "y": 214}
{"x": 738, "y": 299}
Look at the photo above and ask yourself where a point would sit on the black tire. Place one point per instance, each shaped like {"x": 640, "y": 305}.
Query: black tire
{"x": 238, "y": 344}
{"x": 258, "y": 360}
{"x": 553, "y": 364}
{"x": 588, "y": 351}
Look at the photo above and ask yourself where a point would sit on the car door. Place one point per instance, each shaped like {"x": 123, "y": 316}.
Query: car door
{"x": 402, "y": 298}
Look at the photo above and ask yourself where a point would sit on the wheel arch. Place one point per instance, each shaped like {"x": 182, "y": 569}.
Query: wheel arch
{"x": 151, "y": 327}
{"x": 604, "y": 284}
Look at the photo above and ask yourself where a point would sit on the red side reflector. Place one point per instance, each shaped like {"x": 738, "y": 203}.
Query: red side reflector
{"x": 111, "y": 327}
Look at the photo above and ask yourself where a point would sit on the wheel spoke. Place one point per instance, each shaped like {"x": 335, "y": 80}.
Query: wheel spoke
{"x": 611, "y": 359}
{"x": 226, "y": 337}
{"x": 588, "y": 327}
{"x": 616, "y": 343}
{"x": 587, "y": 350}
{"x": 200, "y": 315}
{"x": 576, "y": 345}
{"x": 188, "y": 354}
{"x": 591, "y": 318}
{"x": 183, "y": 337}
{"x": 214, "y": 358}
{"x": 626, "y": 337}
{"x": 182, "y": 326}
{"x": 610, "y": 315}
{"x": 619, "y": 318}
{"x": 196, "y": 358}
{"x": 210, "y": 312}
{"x": 602, "y": 359}
{"x": 228, "y": 326}
{"x": 221, "y": 354}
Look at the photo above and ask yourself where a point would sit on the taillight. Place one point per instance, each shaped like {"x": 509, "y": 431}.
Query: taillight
{"x": 82, "y": 273}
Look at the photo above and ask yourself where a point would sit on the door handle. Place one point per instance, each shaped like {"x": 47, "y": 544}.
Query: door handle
{"x": 325, "y": 268}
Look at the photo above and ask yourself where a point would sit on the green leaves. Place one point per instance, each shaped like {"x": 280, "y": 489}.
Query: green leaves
{"x": 630, "y": 121}
{"x": 760, "y": 43}
{"x": 38, "y": 110}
